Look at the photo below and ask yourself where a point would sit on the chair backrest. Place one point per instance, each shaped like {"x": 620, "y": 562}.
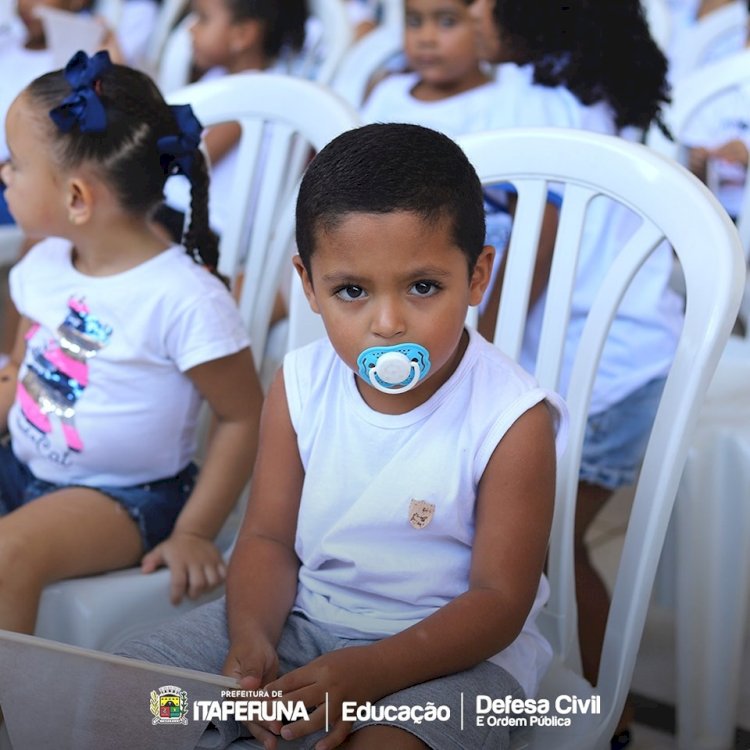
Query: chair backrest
{"x": 720, "y": 32}
{"x": 275, "y": 113}
{"x": 366, "y": 57}
{"x": 327, "y": 45}
{"x": 176, "y": 59}
{"x": 590, "y": 165}
{"x": 170, "y": 13}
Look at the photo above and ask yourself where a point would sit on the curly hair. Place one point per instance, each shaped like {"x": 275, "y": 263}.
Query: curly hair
{"x": 600, "y": 50}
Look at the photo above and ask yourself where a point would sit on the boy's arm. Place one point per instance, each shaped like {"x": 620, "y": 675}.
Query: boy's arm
{"x": 230, "y": 385}
{"x": 514, "y": 515}
{"x": 9, "y": 373}
{"x": 262, "y": 579}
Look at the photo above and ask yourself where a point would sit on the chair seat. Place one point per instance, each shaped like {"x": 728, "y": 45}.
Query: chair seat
{"x": 90, "y": 612}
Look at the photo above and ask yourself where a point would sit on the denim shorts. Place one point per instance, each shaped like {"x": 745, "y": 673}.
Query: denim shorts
{"x": 615, "y": 439}
{"x": 154, "y": 506}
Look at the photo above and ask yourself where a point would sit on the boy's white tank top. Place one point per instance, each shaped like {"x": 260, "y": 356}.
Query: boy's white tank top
{"x": 386, "y": 520}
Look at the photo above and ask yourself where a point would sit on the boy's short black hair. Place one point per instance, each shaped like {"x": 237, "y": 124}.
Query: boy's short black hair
{"x": 391, "y": 167}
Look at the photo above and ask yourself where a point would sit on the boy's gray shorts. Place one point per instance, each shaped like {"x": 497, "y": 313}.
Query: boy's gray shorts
{"x": 199, "y": 641}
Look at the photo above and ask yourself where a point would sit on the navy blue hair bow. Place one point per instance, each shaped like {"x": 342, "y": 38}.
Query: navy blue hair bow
{"x": 83, "y": 106}
{"x": 177, "y": 152}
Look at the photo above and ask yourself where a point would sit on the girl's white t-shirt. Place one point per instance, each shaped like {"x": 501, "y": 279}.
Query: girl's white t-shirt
{"x": 103, "y": 396}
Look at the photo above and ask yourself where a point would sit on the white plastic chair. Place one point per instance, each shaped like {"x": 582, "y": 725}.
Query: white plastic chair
{"x": 322, "y": 55}
{"x": 259, "y": 242}
{"x": 103, "y": 611}
{"x": 170, "y": 13}
{"x": 721, "y": 32}
{"x": 176, "y": 59}
{"x": 365, "y": 58}
{"x": 590, "y": 165}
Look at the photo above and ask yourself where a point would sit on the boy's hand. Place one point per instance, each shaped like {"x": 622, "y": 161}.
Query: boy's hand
{"x": 194, "y": 562}
{"x": 254, "y": 664}
{"x": 344, "y": 675}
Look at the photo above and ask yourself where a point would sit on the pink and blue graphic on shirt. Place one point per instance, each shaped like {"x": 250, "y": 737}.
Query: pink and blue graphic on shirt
{"x": 57, "y": 371}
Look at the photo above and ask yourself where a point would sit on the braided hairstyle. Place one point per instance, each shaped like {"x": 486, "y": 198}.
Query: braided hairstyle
{"x": 600, "y": 50}
{"x": 125, "y": 153}
{"x": 284, "y": 22}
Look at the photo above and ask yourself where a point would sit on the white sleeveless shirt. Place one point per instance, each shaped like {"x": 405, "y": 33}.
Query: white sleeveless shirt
{"x": 386, "y": 520}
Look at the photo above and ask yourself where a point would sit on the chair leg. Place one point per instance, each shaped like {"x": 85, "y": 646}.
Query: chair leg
{"x": 713, "y": 574}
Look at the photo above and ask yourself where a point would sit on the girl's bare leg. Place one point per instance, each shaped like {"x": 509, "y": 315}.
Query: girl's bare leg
{"x": 69, "y": 533}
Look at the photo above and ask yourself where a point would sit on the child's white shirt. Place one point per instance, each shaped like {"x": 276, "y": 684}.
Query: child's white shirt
{"x": 128, "y": 397}
{"x": 511, "y": 99}
{"x": 392, "y": 101}
{"x": 367, "y": 567}
{"x": 724, "y": 118}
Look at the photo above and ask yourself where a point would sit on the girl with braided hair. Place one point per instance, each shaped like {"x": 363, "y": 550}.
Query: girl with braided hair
{"x": 602, "y": 56}
{"x": 121, "y": 338}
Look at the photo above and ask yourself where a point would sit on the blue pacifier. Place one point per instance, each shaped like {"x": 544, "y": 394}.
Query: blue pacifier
{"x": 394, "y": 369}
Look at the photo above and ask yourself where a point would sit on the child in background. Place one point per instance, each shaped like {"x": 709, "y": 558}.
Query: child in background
{"x": 719, "y": 135}
{"x": 233, "y": 36}
{"x": 603, "y": 54}
{"x": 121, "y": 338}
{"x": 394, "y": 540}
{"x": 447, "y": 90}
{"x": 23, "y": 57}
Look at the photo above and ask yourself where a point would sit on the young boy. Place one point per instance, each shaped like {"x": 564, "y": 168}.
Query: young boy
{"x": 393, "y": 545}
